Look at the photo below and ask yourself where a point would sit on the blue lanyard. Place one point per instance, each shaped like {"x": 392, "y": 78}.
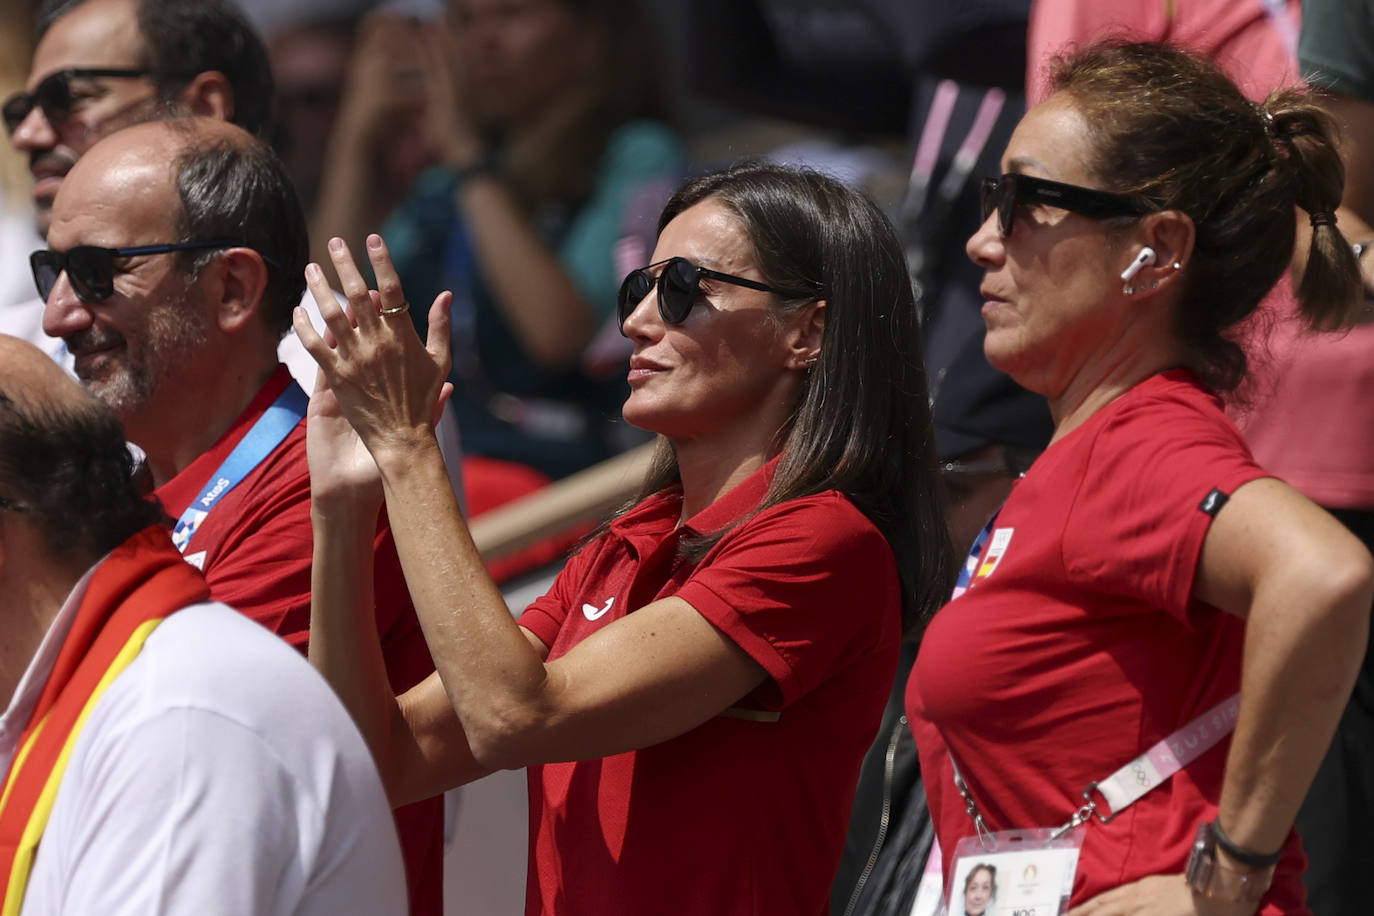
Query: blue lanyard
{"x": 272, "y": 427}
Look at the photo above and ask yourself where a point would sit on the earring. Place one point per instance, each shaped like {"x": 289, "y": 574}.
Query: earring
{"x": 1178, "y": 266}
{"x": 1128, "y": 289}
{"x": 1154, "y": 284}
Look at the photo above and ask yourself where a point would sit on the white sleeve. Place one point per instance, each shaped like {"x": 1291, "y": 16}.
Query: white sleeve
{"x": 190, "y": 812}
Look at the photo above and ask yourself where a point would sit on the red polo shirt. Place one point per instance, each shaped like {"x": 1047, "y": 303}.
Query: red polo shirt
{"x": 257, "y": 544}
{"x": 736, "y": 816}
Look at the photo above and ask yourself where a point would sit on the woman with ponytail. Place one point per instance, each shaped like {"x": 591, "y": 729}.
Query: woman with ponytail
{"x": 1158, "y": 639}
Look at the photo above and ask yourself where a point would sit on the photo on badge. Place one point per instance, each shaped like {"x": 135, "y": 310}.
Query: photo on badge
{"x": 1013, "y": 873}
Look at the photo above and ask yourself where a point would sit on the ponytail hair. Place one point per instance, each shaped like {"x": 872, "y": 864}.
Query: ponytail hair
{"x": 1146, "y": 106}
{"x": 1330, "y": 292}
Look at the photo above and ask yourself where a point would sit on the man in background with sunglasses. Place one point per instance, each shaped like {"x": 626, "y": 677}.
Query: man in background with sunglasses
{"x": 112, "y": 64}
{"x": 103, "y": 65}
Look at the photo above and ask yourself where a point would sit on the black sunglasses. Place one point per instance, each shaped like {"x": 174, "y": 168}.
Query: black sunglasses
{"x": 54, "y": 94}
{"x": 1003, "y": 194}
{"x": 678, "y": 284}
{"x": 91, "y": 270}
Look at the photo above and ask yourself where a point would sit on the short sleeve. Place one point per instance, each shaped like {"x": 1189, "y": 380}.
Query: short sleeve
{"x": 545, "y": 615}
{"x": 636, "y": 155}
{"x": 1156, "y": 477}
{"x": 804, "y": 588}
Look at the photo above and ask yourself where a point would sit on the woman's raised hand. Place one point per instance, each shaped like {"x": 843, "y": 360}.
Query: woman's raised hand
{"x": 453, "y": 137}
{"x": 389, "y": 385}
{"x": 384, "y": 90}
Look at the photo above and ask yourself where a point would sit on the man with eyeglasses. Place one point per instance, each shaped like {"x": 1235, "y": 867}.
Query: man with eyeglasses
{"x": 148, "y": 763}
{"x": 176, "y": 256}
{"x": 93, "y": 76}
{"x": 101, "y": 65}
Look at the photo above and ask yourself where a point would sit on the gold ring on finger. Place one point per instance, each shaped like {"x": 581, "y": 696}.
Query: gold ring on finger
{"x": 397, "y": 310}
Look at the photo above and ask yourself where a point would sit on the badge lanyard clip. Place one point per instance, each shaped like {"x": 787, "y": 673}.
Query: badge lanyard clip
{"x": 985, "y": 837}
{"x": 1082, "y": 814}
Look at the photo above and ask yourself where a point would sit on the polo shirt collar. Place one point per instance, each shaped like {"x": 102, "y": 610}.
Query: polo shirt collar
{"x": 644, "y": 526}
{"x": 736, "y": 503}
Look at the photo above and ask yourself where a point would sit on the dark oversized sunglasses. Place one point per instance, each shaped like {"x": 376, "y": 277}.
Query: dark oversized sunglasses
{"x": 1003, "y": 194}
{"x": 678, "y": 284}
{"x": 91, "y": 270}
{"x": 54, "y": 94}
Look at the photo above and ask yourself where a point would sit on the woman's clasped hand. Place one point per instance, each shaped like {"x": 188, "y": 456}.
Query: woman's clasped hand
{"x": 387, "y": 381}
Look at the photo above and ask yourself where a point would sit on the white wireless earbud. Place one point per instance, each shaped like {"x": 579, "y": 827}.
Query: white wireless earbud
{"x": 1146, "y": 256}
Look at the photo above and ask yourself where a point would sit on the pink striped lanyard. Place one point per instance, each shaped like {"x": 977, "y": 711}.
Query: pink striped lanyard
{"x": 932, "y": 140}
{"x": 1129, "y": 784}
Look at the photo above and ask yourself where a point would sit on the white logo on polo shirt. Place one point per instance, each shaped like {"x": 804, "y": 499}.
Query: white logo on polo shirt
{"x": 591, "y": 612}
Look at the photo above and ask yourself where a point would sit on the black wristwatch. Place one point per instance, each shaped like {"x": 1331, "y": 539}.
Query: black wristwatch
{"x": 1208, "y": 877}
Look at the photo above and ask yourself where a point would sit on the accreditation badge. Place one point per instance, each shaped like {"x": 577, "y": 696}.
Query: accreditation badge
{"x": 1013, "y": 873}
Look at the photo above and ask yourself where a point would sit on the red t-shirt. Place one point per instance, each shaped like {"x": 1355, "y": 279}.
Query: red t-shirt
{"x": 257, "y": 544}
{"x": 1081, "y": 645}
{"x": 735, "y": 816}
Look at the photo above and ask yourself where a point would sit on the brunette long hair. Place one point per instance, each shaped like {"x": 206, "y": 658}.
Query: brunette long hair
{"x": 862, "y": 423}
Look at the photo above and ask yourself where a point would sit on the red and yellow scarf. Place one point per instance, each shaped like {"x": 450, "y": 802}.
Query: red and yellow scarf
{"x": 131, "y": 591}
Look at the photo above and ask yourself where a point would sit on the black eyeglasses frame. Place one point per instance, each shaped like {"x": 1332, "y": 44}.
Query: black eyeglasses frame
{"x": 675, "y": 302}
{"x": 1004, "y": 193}
{"x": 48, "y": 265}
{"x": 58, "y": 107}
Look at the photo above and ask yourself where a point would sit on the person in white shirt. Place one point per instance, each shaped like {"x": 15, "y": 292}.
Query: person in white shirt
{"x": 199, "y": 764}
